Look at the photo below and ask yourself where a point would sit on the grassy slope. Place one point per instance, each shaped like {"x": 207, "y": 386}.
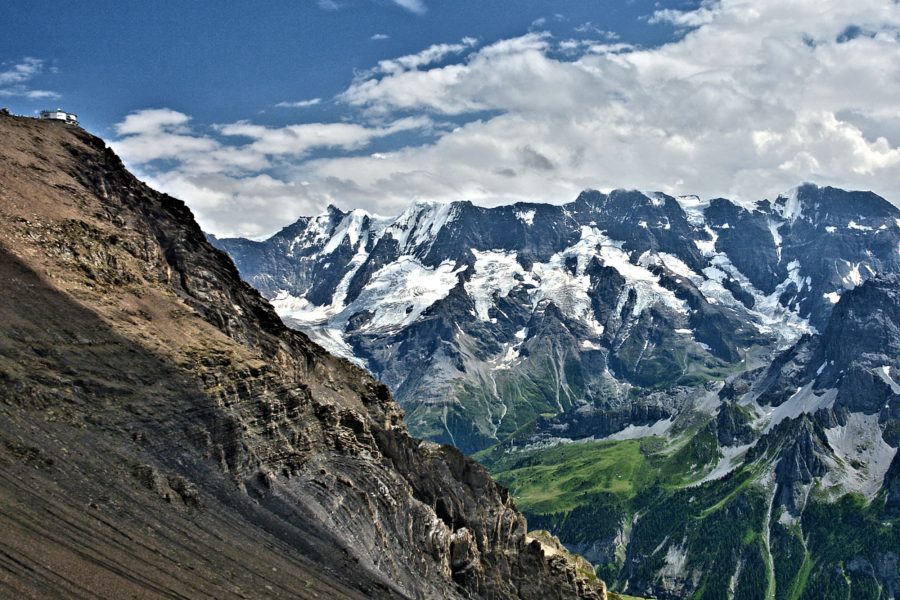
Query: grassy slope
{"x": 568, "y": 476}
{"x": 584, "y": 492}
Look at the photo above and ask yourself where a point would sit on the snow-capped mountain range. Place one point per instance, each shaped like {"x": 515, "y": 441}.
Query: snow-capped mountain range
{"x": 482, "y": 319}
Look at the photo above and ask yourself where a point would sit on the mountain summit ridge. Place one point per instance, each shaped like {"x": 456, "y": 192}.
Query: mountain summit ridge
{"x": 728, "y": 282}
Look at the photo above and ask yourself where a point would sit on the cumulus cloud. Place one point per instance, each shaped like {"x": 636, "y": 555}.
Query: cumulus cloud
{"x": 451, "y": 89}
{"x": 378, "y": 37}
{"x": 223, "y": 172}
{"x": 153, "y": 121}
{"x": 684, "y": 18}
{"x": 159, "y": 134}
{"x": 750, "y": 100}
{"x": 15, "y": 79}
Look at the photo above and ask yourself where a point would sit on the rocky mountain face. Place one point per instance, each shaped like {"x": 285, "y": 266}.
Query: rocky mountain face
{"x": 483, "y": 321}
{"x": 699, "y": 396}
{"x": 779, "y": 482}
{"x": 814, "y": 439}
{"x": 163, "y": 434}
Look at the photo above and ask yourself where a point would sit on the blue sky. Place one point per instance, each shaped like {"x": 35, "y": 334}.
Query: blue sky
{"x": 255, "y": 116}
{"x": 222, "y": 61}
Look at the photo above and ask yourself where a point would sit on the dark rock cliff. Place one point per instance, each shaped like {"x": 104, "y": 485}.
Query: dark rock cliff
{"x": 163, "y": 434}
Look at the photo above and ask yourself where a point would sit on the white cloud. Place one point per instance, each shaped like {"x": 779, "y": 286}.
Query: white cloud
{"x": 414, "y": 6}
{"x": 15, "y": 78}
{"x": 152, "y": 121}
{"x": 160, "y": 134}
{"x": 222, "y": 173}
{"x": 605, "y": 34}
{"x": 41, "y": 94}
{"x": 23, "y": 92}
{"x": 433, "y": 54}
{"x": 684, "y": 18}
{"x": 752, "y": 99}
{"x": 298, "y": 140}
{"x": 451, "y": 89}
{"x": 251, "y": 205}
{"x": 299, "y": 103}
{"x": 682, "y": 117}
{"x": 22, "y": 71}
{"x": 380, "y": 37}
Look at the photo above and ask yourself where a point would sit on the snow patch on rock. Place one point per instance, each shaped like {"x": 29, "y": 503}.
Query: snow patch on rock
{"x": 401, "y": 291}
{"x": 526, "y": 216}
{"x": 804, "y": 400}
{"x": 496, "y": 274}
{"x": 350, "y": 227}
{"x": 854, "y": 225}
{"x": 693, "y": 208}
{"x": 884, "y": 373}
{"x": 731, "y": 459}
{"x": 791, "y": 209}
{"x": 418, "y": 226}
{"x": 776, "y": 236}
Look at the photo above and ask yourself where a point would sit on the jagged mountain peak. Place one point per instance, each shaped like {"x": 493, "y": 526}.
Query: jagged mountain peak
{"x": 865, "y": 323}
{"x": 834, "y": 206}
{"x": 333, "y": 209}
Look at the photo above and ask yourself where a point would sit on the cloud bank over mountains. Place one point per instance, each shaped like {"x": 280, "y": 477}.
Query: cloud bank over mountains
{"x": 749, "y": 100}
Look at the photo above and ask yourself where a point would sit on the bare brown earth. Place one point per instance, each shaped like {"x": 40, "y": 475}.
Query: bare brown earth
{"x": 163, "y": 434}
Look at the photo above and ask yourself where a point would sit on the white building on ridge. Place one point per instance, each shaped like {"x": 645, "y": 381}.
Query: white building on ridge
{"x": 59, "y": 115}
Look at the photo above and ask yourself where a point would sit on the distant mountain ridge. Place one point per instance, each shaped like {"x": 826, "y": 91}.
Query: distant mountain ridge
{"x": 482, "y": 319}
